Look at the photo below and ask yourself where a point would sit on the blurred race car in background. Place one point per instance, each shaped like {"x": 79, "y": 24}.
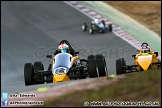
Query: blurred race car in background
{"x": 65, "y": 67}
{"x": 97, "y": 26}
{"x": 142, "y": 62}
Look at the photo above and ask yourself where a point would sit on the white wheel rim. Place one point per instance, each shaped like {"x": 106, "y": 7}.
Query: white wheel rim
{"x": 90, "y": 30}
{"x": 83, "y": 27}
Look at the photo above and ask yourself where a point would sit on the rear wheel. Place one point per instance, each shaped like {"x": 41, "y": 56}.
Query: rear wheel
{"x": 119, "y": 66}
{"x": 92, "y": 69}
{"x": 101, "y": 64}
{"x": 29, "y": 74}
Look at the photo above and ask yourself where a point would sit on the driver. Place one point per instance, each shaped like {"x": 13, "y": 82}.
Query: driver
{"x": 145, "y": 48}
{"x": 64, "y": 48}
{"x": 95, "y": 22}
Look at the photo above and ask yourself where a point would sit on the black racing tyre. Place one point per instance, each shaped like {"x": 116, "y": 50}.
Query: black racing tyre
{"x": 91, "y": 31}
{"x": 38, "y": 66}
{"x": 101, "y": 65}
{"x": 92, "y": 69}
{"x": 84, "y": 27}
{"x": 29, "y": 74}
{"x": 119, "y": 66}
{"x": 110, "y": 27}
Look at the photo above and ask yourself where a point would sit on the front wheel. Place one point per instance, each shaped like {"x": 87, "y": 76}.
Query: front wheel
{"x": 29, "y": 74}
{"x": 101, "y": 64}
{"x": 91, "y": 30}
{"x": 92, "y": 69}
{"x": 119, "y": 66}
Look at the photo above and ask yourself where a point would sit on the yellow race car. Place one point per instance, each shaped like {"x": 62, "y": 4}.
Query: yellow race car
{"x": 142, "y": 62}
{"x": 65, "y": 67}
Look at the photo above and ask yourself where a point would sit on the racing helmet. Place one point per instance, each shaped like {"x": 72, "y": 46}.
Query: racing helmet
{"x": 64, "y": 48}
{"x": 96, "y": 21}
{"x": 145, "y": 48}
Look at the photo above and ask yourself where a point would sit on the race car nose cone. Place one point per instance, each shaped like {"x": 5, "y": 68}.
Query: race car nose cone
{"x": 60, "y": 77}
{"x": 145, "y": 61}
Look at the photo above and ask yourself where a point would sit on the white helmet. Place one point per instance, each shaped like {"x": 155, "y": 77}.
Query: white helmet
{"x": 64, "y": 48}
{"x": 96, "y": 21}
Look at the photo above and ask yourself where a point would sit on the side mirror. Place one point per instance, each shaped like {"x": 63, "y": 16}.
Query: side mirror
{"x": 77, "y": 52}
{"x": 49, "y": 56}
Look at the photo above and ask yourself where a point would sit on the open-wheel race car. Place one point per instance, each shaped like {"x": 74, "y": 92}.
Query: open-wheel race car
{"x": 97, "y": 26}
{"x": 65, "y": 67}
{"x": 142, "y": 62}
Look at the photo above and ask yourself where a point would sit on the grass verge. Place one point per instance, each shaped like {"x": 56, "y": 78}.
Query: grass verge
{"x": 141, "y": 86}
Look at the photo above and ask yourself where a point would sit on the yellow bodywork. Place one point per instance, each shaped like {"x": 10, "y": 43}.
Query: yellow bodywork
{"x": 145, "y": 61}
{"x": 61, "y": 76}
{"x": 74, "y": 60}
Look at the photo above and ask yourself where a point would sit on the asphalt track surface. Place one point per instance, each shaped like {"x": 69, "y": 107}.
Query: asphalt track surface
{"x": 30, "y": 30}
